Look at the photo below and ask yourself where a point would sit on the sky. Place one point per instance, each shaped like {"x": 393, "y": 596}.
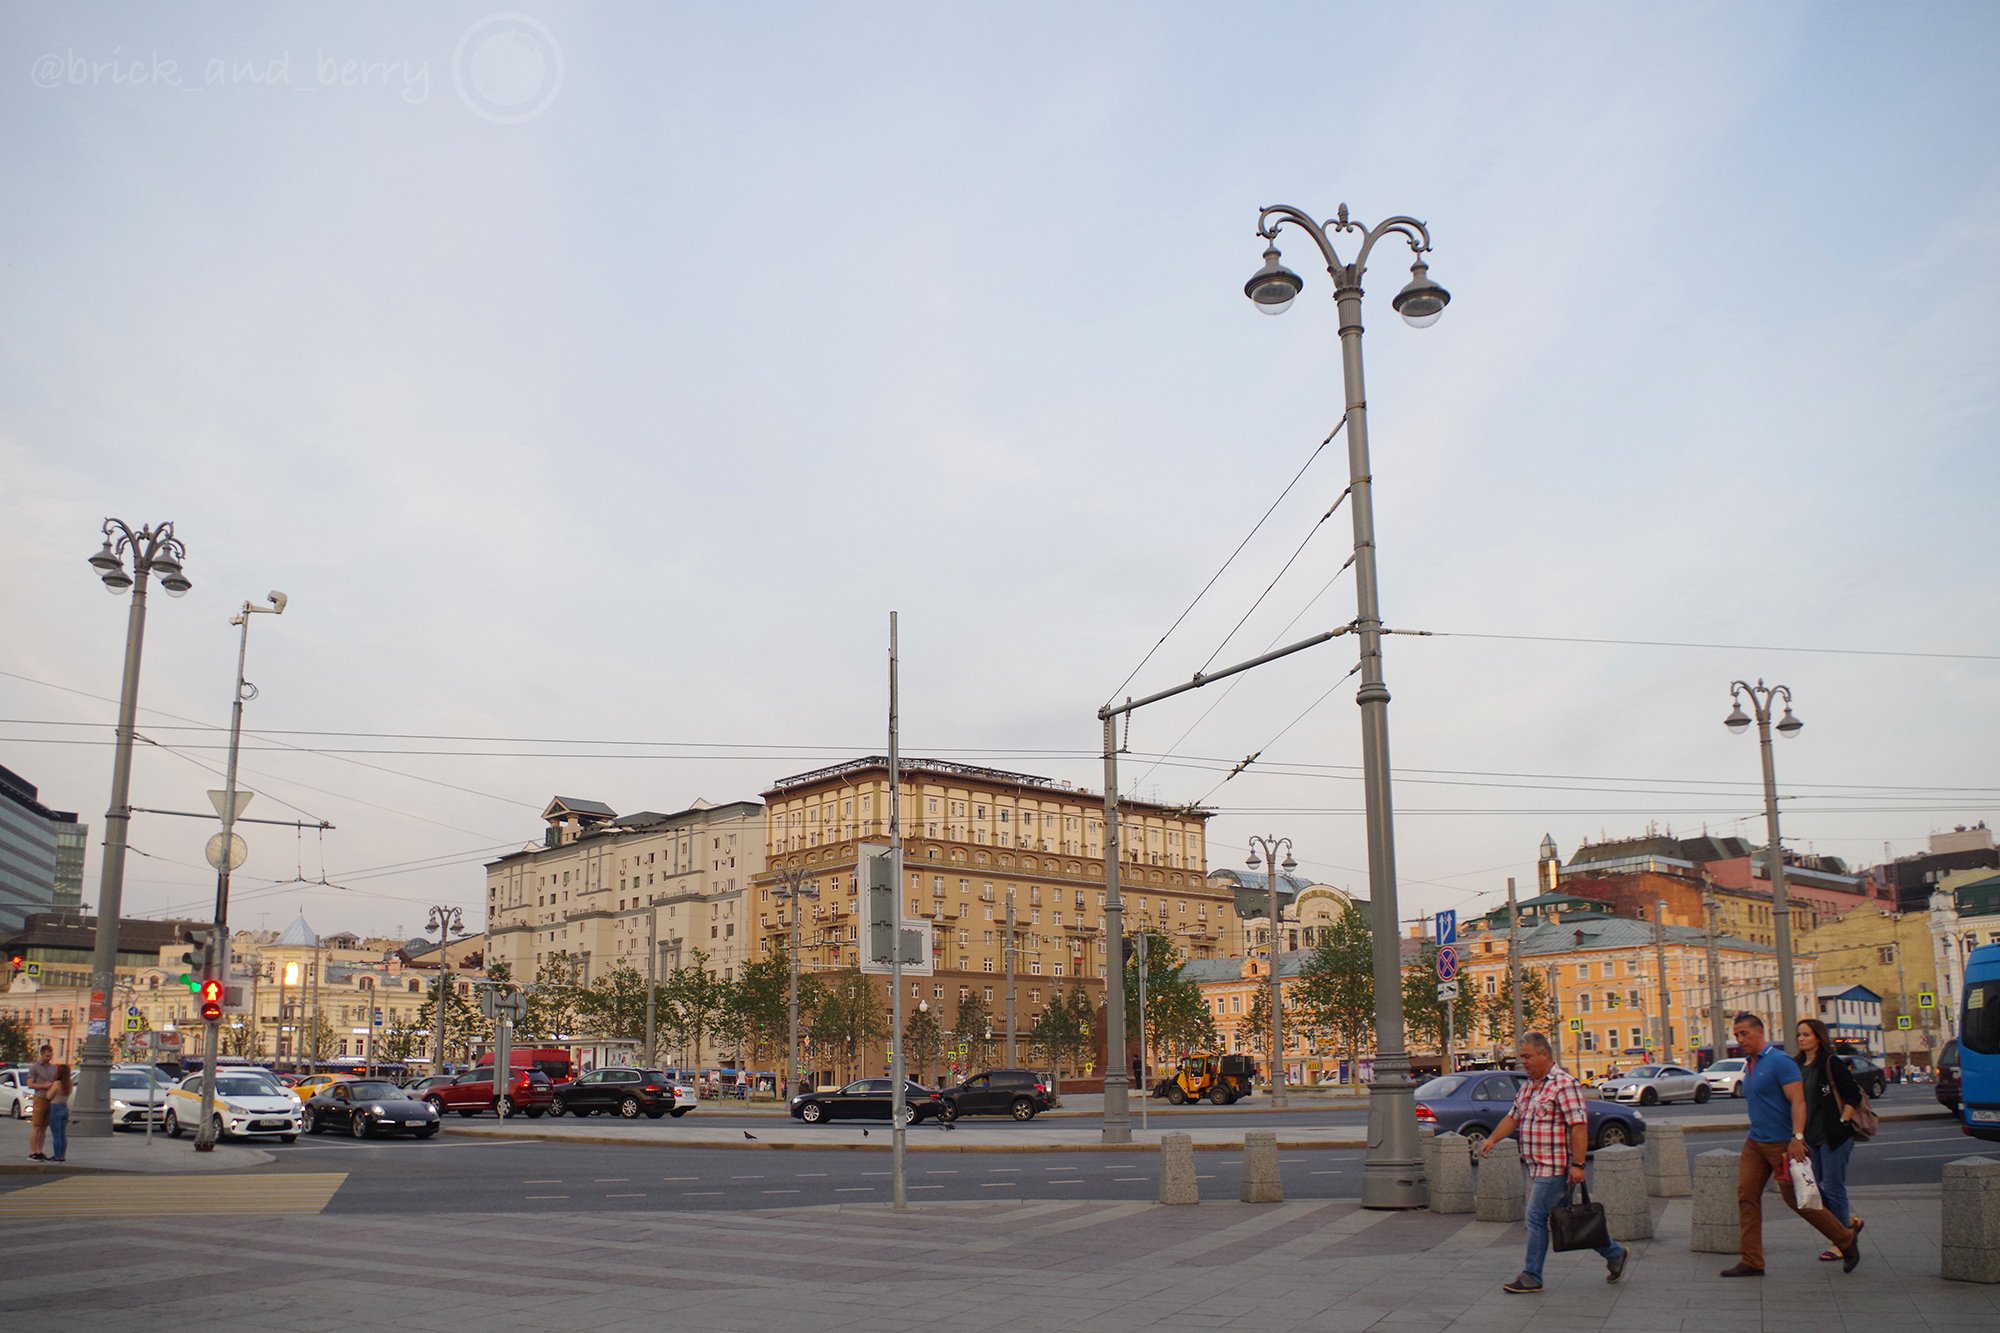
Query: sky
{"x": 596, "y": 379}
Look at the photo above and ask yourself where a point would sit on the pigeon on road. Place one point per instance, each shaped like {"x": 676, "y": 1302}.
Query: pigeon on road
{"x": 748, "y": 1135}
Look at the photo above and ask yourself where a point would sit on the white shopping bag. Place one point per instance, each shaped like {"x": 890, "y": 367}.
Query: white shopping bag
{"x": 1805, "y": 1188}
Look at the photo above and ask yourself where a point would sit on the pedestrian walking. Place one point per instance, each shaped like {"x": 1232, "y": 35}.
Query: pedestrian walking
{"x": 1554, "y": 1129}
{"x": 41, "y": 1075}
{"x": 1774, "y": 1089}
{"x": 58, "y": 1099}
{"x": 1832, "y": 1097}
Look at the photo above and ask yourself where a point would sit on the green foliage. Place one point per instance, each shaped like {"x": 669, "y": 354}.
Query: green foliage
{"x": 1536, "y": 1011}
{"x": 17, "y": 1040}
{"x": 1423, "y": 1012}
{"x": 1063, "y": 1032}
{"x": 463, "y": 1023}
{"x": 1335, "y": 994}
{"x": 242, "y": 1041}
{"x": 923, "y": 1043}
{"x": 969, "y": 1030}
{"x": 759, "y": 1005}
{"x": 615, "y": 1004}
{"x": 693, "y": 1005}
{"x": 1177, "y": 1015}
{"x": 556, "y": 1001}
{"x": 851, "y": 1013}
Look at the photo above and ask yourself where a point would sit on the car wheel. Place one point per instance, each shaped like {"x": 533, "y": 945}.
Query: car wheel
{"x": 435, "y": 1103}
{"x": 312, "y": 1122}
{"x": 1701, "y": 1093}
{"x": 812, "y": 1113}
{"x": 1881, "y": 1086}
{"x": 219, "y": 1134}
{"x": 680, "y": 1111}
{"x": 1736, "y": 1089}
{"x": 949, "y": 1113}
{"x": 357, "y": 1125}
{"x": 1474, "y": 1135}
{"x": 1022, "y": 1109}
{"x": 513, "y": 1107}
{"x": 556, "y": 1107}
{"x": 172, "y": 1125}
{"x": 1648, "y": 1097}
{"x": 18, "y": 1114}
{"x": 629, "y": 1108}
{"x": 1176, "y": 1096}
{"x": 1613, "y": 1134}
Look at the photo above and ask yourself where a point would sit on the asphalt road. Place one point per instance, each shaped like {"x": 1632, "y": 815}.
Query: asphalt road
{"x": 462, "y": 1175}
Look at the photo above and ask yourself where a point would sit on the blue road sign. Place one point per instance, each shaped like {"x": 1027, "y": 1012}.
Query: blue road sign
{"x": 1446, "y": 926}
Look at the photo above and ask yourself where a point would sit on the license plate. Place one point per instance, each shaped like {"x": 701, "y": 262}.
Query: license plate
{"x": 1984, "y": 1117}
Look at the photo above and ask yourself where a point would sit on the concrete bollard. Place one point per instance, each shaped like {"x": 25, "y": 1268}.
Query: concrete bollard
{"x": 1618, "y": 1181}
{"x": 1667, "y": 1162}
{"x": 1427, "y": 1144}
{"x": 1451, "y": 1183}
{"x": 1971, "y": 1220}
{"x": 1502, "y": 1195}
{"x": 1177, "y": 1170}
{"x": 1715, "y": 1229}
{"x": 1260, "y": 1168}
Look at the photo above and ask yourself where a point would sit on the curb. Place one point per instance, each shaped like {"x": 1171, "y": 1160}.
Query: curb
{"x": 1000, "y": 1149}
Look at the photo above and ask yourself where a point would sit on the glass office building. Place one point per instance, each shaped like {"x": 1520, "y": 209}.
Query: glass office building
{"x": 41, "y": 853}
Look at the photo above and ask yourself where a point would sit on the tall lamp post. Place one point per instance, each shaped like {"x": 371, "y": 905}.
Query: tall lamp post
{"x": 153, "y": 550}
{"x": 792, "y": 886}
{"x": 1761, "y": 698}
{"x": 225, "y": 861}
{"x": 443, "y": 920}
{"x": 1270, "y": 846}
{"x": 1392, "y": 1174}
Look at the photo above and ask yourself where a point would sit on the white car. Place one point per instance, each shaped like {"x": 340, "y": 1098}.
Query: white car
{"x": 17, "y": 1099}
{"x": 249, "y": 1103}
{"x": 137, "y": 1093}
{"x": 1649, "y": 1085}
{"x": 1725, "y": 1077}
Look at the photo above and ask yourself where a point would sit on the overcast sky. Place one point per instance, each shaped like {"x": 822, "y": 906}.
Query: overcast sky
{"x": 599, "y": 378}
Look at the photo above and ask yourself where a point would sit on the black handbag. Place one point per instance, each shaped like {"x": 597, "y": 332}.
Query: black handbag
{"x": 1575, "y": 1225}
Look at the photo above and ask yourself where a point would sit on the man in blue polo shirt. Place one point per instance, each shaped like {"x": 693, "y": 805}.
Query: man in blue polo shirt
{"x": 1775, "y": 1091}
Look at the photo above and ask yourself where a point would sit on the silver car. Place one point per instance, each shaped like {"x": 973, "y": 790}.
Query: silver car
{"x": 1649, "y": 1085}
{"x": 138, "y": 1093}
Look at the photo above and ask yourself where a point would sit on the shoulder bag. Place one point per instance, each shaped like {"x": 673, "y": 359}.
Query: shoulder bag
{"x": 1864, "y": 1123}
{"x": 1579, "y": 1225}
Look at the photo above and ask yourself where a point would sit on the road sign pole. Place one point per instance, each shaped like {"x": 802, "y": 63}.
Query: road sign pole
{"x": 1450, "y": 1037}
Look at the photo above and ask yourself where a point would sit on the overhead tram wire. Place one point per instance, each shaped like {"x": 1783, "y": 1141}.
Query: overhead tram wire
{"x": 1282, "y": 571}
{"x": 1317, "y": 451}
{"x": 1728, "y": 647}
{"x": 1252, "y": 758}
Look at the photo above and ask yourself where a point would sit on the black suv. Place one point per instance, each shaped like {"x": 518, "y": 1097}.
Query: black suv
{"x": 1021, "y": 1093}
{"x": 1947, "y": 1077}
{"x": 629, "y": 1092}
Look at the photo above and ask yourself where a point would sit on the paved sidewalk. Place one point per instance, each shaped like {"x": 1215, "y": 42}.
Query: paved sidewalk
{"x": 1323, "y": 1265}
{"x": 124, "y": 1151}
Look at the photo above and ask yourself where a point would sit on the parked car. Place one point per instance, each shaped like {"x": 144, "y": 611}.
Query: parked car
{"x": 15, "y": 1094}
{"x": 311, "y": 1085}
{"x": 1725, "y": 1077}
{"x": 365, "y": 1106}
{"x": 1474, "y": 1104}
{"x": 249, "y": 1103}
{"x": 1947, "y": 1076}
{"x": 1649, "y": 1085}
{"x": 419, "y": 1087}
{"x": 1021, "y": 1093}
{"x": 138, "y": 1094}
{"x": 1874, "y": 1079}
{"x": 868, "y": 1099}
{"x": 629, "y": 1092}
{"x": 470, "y": 1093}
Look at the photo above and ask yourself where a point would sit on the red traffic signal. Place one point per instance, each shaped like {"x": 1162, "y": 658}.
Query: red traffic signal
{"x": 17, "y": 962}
{"x": 211, "y": 1001}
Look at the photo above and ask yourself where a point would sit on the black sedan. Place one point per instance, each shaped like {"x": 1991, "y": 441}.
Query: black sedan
{"x": 369, "y": 1106}
{"x": 868, "y": 1099}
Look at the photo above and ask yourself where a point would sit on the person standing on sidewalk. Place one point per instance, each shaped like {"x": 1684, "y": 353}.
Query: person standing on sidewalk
{"x": 1832, "y": 1096}
{"x": 40, "y": 1076}
{"x": 1773, "y": 1087}
{"x": 58, "y": 1098}
{"x": 1555, "y": 1138}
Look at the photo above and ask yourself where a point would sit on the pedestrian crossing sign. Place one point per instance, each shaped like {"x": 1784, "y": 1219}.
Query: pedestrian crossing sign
{"x": 1903, "y": 1022}
{"x": 1926, "y": 1000}
{"x": 1576, "y": 1025}
{"x": 134, "y": 1024}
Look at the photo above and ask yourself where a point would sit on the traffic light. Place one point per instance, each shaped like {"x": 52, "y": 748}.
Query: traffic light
{"x": 211, "y": 1001}
{"x": 199, "y": 960}
{"x": 17, "y": 962}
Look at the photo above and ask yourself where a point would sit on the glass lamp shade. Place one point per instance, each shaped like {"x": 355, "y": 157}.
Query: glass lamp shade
{"x": 1273, "y": 287}
{"x": 1736, "y": 721}
{"x": 1421, "y": 301}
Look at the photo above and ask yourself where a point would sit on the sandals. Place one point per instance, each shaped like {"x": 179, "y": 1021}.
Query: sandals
{"x": 1835, "y": 1256}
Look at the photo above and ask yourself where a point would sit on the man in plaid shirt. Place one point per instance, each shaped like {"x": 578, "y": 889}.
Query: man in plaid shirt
{"x": 1555, "y": 1138}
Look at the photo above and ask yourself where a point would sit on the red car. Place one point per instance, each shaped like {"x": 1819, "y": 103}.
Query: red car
{"x": 529, "y": 1093}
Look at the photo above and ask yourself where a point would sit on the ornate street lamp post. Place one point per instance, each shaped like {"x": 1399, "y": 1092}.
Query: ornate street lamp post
{"x": 443, "y": 920}
{"x": 153, "y": 550}
{"x": 1761, "y": 698}
{"x": 1270, "y": 847}
{"x": 793, "y": 886}
{"x": 1392, "y": 1174}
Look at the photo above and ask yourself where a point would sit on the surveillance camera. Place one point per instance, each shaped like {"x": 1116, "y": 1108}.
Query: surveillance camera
{"x": 278, "y": 601}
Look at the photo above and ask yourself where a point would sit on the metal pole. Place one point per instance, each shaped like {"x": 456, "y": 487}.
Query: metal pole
{"x": 898, "y": 1099}
{"x": 792, "y": 1005}
{"x": 1556, "y": 1015}
{"x": 1145, "y": 1065}
{"x": 1117, "y": 1110}
{"x": 1718, "y": 1017}
{"x": 1450, "y": 1036}
{"x": 1009, "y": 951}
{"x": 1514, "y": 965}
{"x": 1666, "y": 1001}
{"x": 90, "y": 1117}
{"x": 1277, "y": 1019}
{"x": 1392, "y": 1174}
{"x": 204, "y": 1136}
{"x": 652, "y": 978}
{"x": 1774, "y": 853}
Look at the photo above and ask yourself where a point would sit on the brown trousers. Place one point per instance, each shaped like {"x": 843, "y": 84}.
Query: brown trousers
{"x": 1754, "y": 1170}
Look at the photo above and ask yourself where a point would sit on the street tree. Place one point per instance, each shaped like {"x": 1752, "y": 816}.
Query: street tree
{"x": 970, "y": 1033}
{"x": 615, "y": 1004}
{"x": 1063, "y": 1033}
{"x": 852, "y": 1012}
{"x": 557, "y": 1000}
{"x": 1177, "y": 1014}
{"x": 1424, "y": 1013}
{"x": 1335, "y": 994}
{"x": 759, "y": 1005}
{"x": 923, "y": 1041}
{"x": 17, "y": 1040}
{"x": 242, "y": 1041}
{"x": 1498, "y": 1009}
{"x": 692, "y": 1005}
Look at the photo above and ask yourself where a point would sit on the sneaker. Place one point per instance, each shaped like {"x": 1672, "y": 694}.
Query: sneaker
{"x": 1523, "y": 1285}
{"x": 1615, "y": 1268}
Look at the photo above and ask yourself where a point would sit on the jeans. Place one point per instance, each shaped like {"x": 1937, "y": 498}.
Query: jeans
{"x": 1545, "y": 1193}
{"x": 59, "y": 1130}
{"x": 1830, "y": 1169}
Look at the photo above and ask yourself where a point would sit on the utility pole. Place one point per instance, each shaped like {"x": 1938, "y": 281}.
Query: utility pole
{"x": 898, "y": 1094}
{"x": 1718, "y": 1010}
{"x": 1145, "y": 1065}
{"x": 1556, "y": 1023}
{"x": 791, "y": 887}
{"x": 444, "y": 920}
{"x": 1008, "y": 949}
{"x": 1902, "y": 1001}
{"x": 1117, "y": 1079}
{"x": 312, "y": 1029}
{"x": 1514, "y": 964}
{"x": 652, "y": 978}
{"x": 1666, "y": 1000}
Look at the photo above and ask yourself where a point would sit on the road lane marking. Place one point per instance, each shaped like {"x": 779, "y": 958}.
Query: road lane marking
{"x": 1003, "y": 1170}
{"x": 541, "y": 1182}
{"x": 925, "y": 1187}
{"x": 701, "y": 1194}
{"x": 1126, "y": 1180}
{"x": 812, "y": 1175}
{"x": 746, "y": 1177}
{"x": 624, "y": 1196}
{"x": 547, "y": 1196}
{"x": 680, "y": 1180}
{"x": 1062, "y": 1168}
{"x": 612, "y": 1180}
{"x": 854, "y": 1189}
{"x": 1078, "y": 1180}
{"x": 998, "y": 1184}
{"x": 940, "y": 1173}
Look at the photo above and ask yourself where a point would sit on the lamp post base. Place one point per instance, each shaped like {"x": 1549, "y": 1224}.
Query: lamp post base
{"x": 1393, "y": 1174}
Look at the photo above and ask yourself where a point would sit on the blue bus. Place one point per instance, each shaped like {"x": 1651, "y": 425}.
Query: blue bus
{"x": 1979, "y": 1045}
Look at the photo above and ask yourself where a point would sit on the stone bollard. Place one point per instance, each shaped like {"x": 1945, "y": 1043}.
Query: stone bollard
{"x": 1715, "y": 1228}
{"x": 1260, "y": 1168}
{"x": 1971, "y": 1220}
{"x": 1502, "y": 1195}
{"x": 1451, "y": 1183}
{"x": 1177, "y": 1170}
{"x": 1427, "y": 1144}
{"x": 1619, "y": 1183}
{"x": 1667, "y": 1162}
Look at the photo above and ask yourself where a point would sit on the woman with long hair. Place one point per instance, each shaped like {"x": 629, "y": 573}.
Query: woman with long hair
{"x": 58, "y": 1095}
{"x": 1828, "y": 1139}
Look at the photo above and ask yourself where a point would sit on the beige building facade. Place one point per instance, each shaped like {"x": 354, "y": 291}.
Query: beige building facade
{"x": 607, "y": 890}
